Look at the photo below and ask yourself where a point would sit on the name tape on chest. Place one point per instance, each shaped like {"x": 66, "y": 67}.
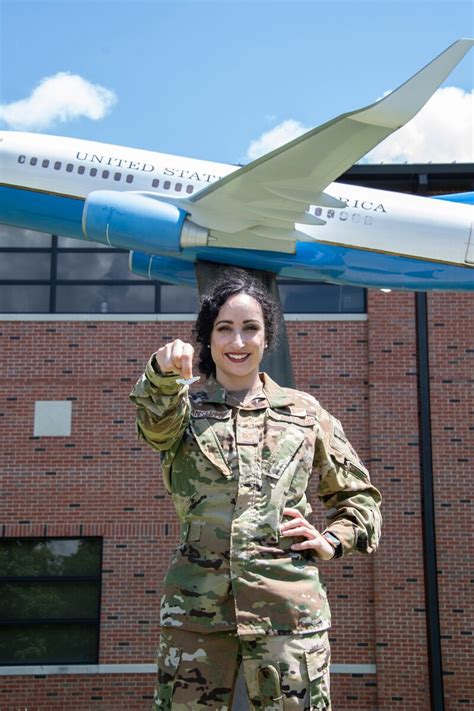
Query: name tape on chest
{"x": 211, "y": 414}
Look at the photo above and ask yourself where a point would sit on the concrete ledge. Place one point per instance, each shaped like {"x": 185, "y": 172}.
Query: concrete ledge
{"x": 55, "y": 669}
{"x": 165, "y": 317}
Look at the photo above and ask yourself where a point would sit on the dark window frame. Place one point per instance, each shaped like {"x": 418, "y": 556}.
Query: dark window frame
{"x": 54, "y": 282}
{"x": 42, "y": 579}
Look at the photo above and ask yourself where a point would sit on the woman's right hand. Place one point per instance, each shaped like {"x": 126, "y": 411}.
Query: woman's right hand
{"x": 176, "y": 357}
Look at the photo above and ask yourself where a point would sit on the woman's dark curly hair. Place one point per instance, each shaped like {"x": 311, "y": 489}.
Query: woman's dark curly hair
{"x": 231, "y": 282}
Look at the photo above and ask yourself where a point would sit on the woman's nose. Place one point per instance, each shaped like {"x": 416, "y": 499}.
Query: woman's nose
{"x": 238, "y": 340}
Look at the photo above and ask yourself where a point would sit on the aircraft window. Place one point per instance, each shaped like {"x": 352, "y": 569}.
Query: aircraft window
{"x": 21, "y": 159}
{"x": 81, "y": 170}
{"x": 93, "y": 172}
{"x": 57, "y": 165}
{"x": 117, "y": 176}
{"x": 33, "y": 161}
{"x": 167, "y": 185}
{"x": 155, "y": 183}
{"x": 105, "y": 173}
{"x": 189, "y": 189}
{"x": 178, "y": 187}
{"x": 129, "y": 178}
{"x": 69, "y": 168}
{"x": 45, "y": 163}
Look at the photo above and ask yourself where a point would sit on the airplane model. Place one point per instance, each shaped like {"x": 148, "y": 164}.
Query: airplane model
{"x": 281, "y": 213}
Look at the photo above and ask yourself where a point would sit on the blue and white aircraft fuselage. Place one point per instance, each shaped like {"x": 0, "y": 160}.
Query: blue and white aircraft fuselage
{"x": 282, "y": 213}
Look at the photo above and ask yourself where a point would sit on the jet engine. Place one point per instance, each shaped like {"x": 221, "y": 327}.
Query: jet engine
{"x": 139, "y": 221}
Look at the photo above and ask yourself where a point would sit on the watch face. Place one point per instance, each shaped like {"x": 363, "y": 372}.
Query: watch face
{"x": 335, "y": 542}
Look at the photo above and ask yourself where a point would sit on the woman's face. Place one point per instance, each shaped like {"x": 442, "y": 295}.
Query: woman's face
{"x": 238, "y": 342}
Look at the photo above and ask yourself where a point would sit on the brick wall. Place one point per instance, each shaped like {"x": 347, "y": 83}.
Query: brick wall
{"x": 102, "y": 481}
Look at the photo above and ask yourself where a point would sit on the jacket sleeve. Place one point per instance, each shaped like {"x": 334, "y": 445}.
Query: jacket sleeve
{"x": 162, "y": 408}
{"x": 345, "y": 489}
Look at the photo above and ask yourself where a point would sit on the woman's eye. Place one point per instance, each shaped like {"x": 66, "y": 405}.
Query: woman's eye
{"x": 223, "y": 328}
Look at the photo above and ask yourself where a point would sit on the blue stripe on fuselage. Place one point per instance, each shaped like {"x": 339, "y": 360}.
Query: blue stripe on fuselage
{"x": 62, "y": 215}
{"x": 467, "y": 198}
{"x": 41, "y": 211}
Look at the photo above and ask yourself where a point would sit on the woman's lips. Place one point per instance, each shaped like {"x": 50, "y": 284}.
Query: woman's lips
{"x": 237, "y": 357}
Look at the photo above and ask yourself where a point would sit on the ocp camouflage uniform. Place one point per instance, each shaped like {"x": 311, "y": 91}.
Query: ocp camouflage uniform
{"x": 231, "y": 471}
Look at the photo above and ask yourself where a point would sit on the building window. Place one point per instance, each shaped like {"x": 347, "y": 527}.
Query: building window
{"x": 50, "y": 592}
{"x": 49, "y": 274}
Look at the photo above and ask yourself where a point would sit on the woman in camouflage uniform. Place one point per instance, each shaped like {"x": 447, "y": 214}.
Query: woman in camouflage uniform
{"x": 243, "y": 586}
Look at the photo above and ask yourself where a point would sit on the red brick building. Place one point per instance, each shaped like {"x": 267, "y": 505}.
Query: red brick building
{"x": 87, "y": 528}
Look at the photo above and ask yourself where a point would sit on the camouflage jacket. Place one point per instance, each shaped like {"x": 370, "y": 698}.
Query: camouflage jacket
{"x": 231, "y": 471}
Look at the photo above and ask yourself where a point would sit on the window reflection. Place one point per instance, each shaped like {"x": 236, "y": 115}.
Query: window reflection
{"x": 24, "y": 298}
{"x": 50, "y": 592}
{"x": 94, "y": 266}
{"x": 105, "y": 299}
{"x": 16, "y": 237}
{"x": 179, "y": 299}
{"x": 25, "y": 265}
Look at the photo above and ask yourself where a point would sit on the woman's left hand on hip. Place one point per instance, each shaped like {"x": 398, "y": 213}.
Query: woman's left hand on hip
{"x": 299, "y": 526}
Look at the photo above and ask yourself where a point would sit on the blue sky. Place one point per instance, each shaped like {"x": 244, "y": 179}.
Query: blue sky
{"x": 206, "y": 79}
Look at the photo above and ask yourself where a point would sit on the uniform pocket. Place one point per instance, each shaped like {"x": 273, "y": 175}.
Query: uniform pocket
{"x": 317, "y": 663}
{"x": 168, "y": 661}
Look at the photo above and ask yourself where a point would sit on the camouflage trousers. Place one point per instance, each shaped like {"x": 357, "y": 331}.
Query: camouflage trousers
{"x": 281, "y": 673}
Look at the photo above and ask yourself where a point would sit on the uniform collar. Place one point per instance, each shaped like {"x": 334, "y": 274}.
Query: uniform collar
{"x": 276, "y": 396}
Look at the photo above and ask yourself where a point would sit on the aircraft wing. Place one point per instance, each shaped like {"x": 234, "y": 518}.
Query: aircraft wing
{"x": 262, "y": 201}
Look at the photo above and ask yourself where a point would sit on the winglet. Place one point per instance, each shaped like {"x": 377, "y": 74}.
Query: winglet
{"x": 402, "y": 104}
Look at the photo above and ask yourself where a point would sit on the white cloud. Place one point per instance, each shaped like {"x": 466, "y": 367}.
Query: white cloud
{"x": 277, "y": 136}
{"x": 442, "y": 132}
{"x": 57, "y": 99}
